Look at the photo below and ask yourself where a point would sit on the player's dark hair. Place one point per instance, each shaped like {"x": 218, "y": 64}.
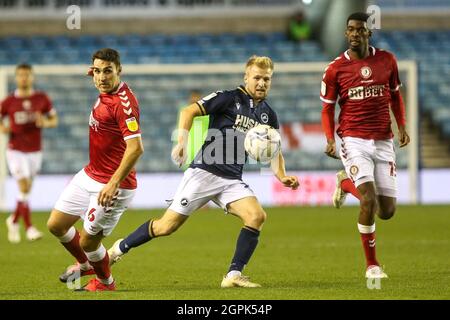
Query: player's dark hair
{"x": 107, "y": 54}
{"x": 26, "y": 66}
{"x": 358, "y": 16}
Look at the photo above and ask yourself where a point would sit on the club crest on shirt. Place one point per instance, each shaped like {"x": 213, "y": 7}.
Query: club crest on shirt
{"x": 132, "y": 124}
{"x": 365, "y": 72}
{"x": 264, "y": 118}
{"x": 354, "y": 170}
{"x": 26, "y": 104}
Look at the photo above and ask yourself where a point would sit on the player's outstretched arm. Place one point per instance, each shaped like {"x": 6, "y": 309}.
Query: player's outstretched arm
{"x": 131, "y": 155}
{"x": 279, "y": 169}
{"x": 186, "y": 118}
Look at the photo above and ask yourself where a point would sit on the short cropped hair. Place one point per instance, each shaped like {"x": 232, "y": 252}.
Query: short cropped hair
{"x": 358, "y": 16}
{"x": 260, "y": 61}
{"x": 25, "y": 66}
{"x": 107, "y": 54}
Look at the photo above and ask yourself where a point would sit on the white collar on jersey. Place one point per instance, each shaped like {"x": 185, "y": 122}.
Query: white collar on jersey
{"x": 372, "y": 52}
{"x": 16, "y": 93}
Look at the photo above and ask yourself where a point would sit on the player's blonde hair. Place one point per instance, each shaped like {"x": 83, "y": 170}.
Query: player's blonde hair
{"x": 260, "y": 61}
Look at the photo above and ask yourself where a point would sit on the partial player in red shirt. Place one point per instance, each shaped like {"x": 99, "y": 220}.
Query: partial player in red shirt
{"x": 367, "y": 83}
{"x": 101, "y": 191}
{"x": 27, "y": 112}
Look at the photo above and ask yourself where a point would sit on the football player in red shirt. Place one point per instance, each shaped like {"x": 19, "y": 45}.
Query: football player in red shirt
{"x": 28, "y": 111}
{"x": 101, "y": 191}
{"x": 367, "y": 82}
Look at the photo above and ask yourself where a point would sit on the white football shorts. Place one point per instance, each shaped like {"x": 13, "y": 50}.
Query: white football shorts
{"x": 79, "y": 198}
{"x": 23, "y": 164}
{"x": 371, "y": 160}
{"x": 198, "y": 187}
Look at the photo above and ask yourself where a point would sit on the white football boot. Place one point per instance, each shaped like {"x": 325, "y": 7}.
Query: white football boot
{"x": 339, "y": 195}
{"x": 33, "y": 234}
{"x": 375, "y": 272}
{"x": 13, "y": 230}
{"x": 115, "y": 254}
{"x": 238, "y": 281}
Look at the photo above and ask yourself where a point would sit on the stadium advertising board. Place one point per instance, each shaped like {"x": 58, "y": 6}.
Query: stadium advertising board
{"x": 316, "y": 188}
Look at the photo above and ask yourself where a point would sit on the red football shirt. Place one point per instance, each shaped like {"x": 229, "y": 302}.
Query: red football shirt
{"x": 114, "y": 119}
{"x": 21, "y": 112}
{"x": 364, "y": 88}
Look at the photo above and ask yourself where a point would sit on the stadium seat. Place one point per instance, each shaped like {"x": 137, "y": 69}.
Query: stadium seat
{"x": 73, "y": 96}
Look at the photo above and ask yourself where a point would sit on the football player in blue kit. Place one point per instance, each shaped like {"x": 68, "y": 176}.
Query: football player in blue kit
{"x": 216, "y": 172}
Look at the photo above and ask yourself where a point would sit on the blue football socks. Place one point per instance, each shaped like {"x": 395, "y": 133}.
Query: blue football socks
{"x": 140, "y": 236}
{"x": 245, "y": 246}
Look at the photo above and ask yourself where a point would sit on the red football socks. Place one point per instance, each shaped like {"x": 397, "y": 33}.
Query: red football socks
{"x": 348, "y": 187}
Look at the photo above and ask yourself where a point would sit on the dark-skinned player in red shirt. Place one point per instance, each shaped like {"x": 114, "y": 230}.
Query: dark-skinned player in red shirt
{"x": 367, "y": 83}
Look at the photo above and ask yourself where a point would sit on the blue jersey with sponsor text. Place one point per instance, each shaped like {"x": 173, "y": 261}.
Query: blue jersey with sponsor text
{"x": 231, "y": 114}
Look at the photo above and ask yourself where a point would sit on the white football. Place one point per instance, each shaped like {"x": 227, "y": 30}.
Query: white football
{"x": 262, "y": 143}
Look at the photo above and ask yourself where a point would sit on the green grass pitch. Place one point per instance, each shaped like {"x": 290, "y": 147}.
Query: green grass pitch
{"x": 303, "y": 253}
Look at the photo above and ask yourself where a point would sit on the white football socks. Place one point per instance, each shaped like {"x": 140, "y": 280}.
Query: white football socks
{"x": 233, "y": 273}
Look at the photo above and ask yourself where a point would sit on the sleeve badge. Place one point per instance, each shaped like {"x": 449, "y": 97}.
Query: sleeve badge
{"x": 132, "y": 124}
